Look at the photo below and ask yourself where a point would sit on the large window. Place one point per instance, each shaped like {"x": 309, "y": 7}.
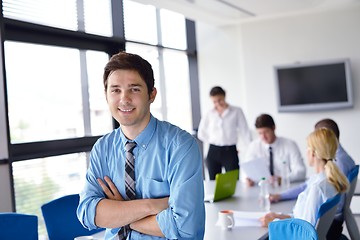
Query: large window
{"x": 54, "y": 55}
{"x": 178, "y": 102}
{"x": 37, "y": 181}
{"x": 100, "y": 117}
{"x": 45, "y": 93}
{"x": 82, "y": 15}
{"x": 136, "y": 29}
{"x": 173, "y": 101}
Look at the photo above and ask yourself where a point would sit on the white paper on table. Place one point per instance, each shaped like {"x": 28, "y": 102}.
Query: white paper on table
{"x": 255, "y": 169}
{"x": 246, "y": 219}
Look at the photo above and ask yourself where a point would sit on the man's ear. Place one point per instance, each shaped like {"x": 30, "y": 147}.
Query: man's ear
{"x": 152, "y": 95}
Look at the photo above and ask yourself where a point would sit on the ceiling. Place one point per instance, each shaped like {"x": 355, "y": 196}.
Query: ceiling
{"x": 226, "y": 12}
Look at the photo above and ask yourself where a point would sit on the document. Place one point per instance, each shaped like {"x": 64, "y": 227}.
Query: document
{"x": 247, "y": 219}
{"x": 256, "y": 169}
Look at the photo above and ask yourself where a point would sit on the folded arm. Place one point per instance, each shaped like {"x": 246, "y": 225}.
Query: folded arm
{"x": 140, "y": 214}
{"x": 290, "y": 194}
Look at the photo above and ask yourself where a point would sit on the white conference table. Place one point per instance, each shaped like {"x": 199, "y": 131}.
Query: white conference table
{"x": 245, "y": 199}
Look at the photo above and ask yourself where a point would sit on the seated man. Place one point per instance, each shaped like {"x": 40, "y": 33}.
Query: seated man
{"x": 274, "y": 150}
{"x": 344, "y": 162}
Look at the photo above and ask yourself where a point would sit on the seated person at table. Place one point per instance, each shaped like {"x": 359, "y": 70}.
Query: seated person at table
{"x": 344, "y": 162}
{"x": 282, "y": 149}
{"x": 326, "y": 183}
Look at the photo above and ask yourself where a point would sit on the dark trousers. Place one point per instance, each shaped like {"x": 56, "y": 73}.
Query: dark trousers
{"x": 221, "y": 156}
{"x": 335, "y": 230}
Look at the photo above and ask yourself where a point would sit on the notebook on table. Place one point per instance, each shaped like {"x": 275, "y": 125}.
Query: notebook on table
{"x": 225, "y": 186}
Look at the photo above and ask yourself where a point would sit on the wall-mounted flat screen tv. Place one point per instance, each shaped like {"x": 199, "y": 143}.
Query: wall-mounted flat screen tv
{"x": 314, "y": 86}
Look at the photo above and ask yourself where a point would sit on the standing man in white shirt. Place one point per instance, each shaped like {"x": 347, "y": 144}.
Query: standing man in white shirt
{"x": 221, "y": 128}
{"x": 282, "y": 149}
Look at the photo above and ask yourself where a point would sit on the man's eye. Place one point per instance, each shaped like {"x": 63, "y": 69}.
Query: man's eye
{"x": 115, "y": 90}
{"x": 135, "y": 89}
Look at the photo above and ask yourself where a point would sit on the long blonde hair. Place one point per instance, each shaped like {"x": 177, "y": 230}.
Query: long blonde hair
{"x": 324, "y": 144}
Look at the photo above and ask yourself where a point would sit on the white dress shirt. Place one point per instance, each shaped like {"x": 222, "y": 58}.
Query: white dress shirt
{"x": 283, "y": 149}
{"x": 224, "y": 130}
{"x": 309, "y": 201}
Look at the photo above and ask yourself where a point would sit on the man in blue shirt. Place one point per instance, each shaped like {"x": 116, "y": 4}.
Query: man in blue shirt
{"x": 169, "y": 189}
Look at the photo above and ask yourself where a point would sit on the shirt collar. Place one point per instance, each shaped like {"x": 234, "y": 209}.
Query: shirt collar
{"x": 145, "y": 136}
{"x": 272, "y": 144}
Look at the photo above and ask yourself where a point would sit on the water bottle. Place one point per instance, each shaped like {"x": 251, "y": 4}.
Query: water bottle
{"x": 285, "y": 178}
{"x": 264, "y": 200}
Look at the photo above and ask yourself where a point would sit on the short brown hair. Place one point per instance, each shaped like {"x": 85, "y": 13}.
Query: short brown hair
{"x": 215, "y": 91}
{"x": 330, "y": 124}
{"x": 264, "y": 120}
{"x": 128, "y": 61}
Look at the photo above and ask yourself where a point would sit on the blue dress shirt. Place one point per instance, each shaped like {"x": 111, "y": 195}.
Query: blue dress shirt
{"x": 167, "y": 163}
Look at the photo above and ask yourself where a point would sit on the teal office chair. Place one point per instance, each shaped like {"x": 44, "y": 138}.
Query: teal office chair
{"x": 326, "y": 216}
{"x": 17, "y": 226}
{"x": 61, "y": 220}
{"x": 292, "y": 228}
{"x": 347, "y": 213}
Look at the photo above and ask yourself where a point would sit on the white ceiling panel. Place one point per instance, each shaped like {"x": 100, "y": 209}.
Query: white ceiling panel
{"x": 225, "y": 12}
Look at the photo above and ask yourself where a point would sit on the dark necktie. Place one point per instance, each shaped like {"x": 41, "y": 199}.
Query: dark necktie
{"x": 271, "y": 161}
{"x": 129, "y": 182}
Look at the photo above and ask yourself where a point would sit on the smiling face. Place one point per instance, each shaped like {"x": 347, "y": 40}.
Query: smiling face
{"x": 129, "y": 102}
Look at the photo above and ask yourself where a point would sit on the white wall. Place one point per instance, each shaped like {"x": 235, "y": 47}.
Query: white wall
{"x": 241, "y": 59}
{"x": 219, "y": 65}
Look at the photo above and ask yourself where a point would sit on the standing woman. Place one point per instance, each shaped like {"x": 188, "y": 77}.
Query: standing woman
{"x": 326, "y": 183}
{"x": 221, "y": 128}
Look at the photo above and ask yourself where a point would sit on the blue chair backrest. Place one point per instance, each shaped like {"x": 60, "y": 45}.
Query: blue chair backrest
{"x": 17, "y": 226}
{"x": 326, "y": 215}
{"x": 352, "y": 177}
{"x": 353, "y": 173}
{"x": 329, "y": 204}
{"x": 292, "y": 228}
{"x": 349, "y": 218}
{"x": 61, "y": 220}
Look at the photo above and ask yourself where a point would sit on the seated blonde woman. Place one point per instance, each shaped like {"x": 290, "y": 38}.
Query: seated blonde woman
{"x": 326, "y": 183}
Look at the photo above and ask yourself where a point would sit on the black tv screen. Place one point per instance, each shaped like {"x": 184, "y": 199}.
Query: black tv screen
{"x": 314, "y": 86}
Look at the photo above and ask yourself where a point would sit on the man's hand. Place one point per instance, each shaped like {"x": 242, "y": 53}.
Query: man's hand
{"x": 274, "y": 198}
{"x": 160, "y": 204}
{"x": 249, "y": 182}
{"x": 112, "y": 192}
